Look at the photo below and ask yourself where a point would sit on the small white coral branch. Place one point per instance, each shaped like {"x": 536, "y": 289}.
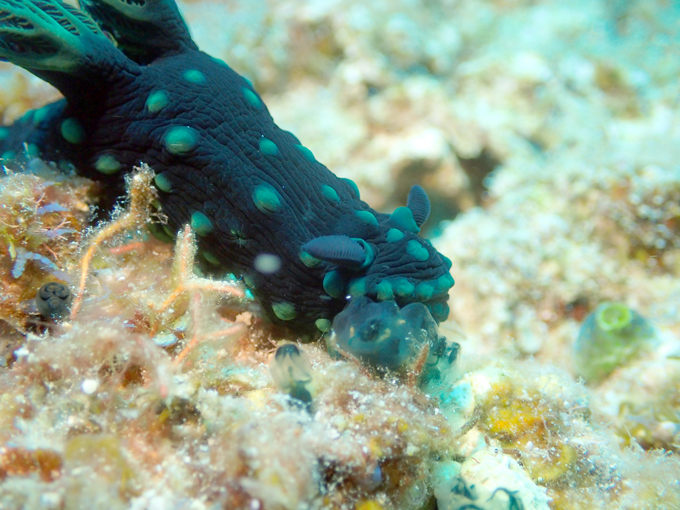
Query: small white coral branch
{"x": 142, "y": 194}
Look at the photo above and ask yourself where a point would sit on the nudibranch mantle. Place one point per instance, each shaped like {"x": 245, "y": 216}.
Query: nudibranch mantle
{"x": 247, "y": 187}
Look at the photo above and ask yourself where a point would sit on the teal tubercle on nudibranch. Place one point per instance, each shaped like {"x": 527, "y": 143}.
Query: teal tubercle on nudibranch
{"x": 107, "y": 164}
{"x": 266, "y": 198}
{"x": 157, "y": 100}
{"x": 179, "y": 140}
{"x": 268, "y": 147}
{"x": 201, "y": 223}
{"x": 260, "y": 202}
{"x": 72, "y": 131}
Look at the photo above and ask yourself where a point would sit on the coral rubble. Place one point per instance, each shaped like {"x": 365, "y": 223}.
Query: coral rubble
{"x": 545, "y": 133}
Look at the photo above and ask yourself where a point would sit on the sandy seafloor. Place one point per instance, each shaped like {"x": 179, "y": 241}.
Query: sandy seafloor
{"x": 547, "y": 134}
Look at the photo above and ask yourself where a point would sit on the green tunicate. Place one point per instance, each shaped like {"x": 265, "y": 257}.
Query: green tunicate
{"x": 292, "y": 373}
{"x": 4, "y": 133}
{"x": 323, "y": 325}
{"x": 252, "y": 97}
{"x": 268, "y": 147}
{"x": 402, "y": 287}
{"x": 334, "y": 285}
{"x": 179, "y": 140}
{"x": 353, "y": 186}
{"x": 417, "y": 250}
{"x": 330, "y": 193}
{"x": 394, "y": 235}
{"x": 284, "y": 311}
{"x": 609, "y": 337}
{"x": 163, "y": 182}
{"x": 107, "y": 164}
{"x": 157, "y": 100}
{"x": 424, "y": 291}
{"x": 309, "y": 260}
{"x": 201, "y": 223}
{"x": 357, "y": 287}
{"x": 384, "y": 291}
{"x": 306, "y": 152}
{"x": 367, "y": 217}
{"x": 266, "y": 198}
{"x": 211, "y": 258}
{"x": 382, "y": 335}
{"x": 403, "y": 216}
{"x": 72, "y": 130}
{"x": 32, "y": 150}
{"x": 194, "y": 76}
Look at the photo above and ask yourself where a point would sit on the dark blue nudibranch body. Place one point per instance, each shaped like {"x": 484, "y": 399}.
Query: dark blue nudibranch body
{"x": 261, "y": 204}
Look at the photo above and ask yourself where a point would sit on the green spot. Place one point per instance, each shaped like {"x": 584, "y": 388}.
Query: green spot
{"x": 403, "y": 217}
{"x": 445, "y": 282}
{"x": 384, "y": 291}
{"x": 4, "y": 133}
{"x": 367, "y": 217}
{"x": 353, "y": 186}
{"x": 266, "y": 199}
{"x": 323, "y": 325}
{"x": 211, "y": 258}
{"x": 107, "y": 164}
{"x": 284, "y": 311}
{"x": 32, "y": 150}
{"x": 308, "y": 154}
{"x": 158, "y": 232}
{"x": 201, "y": 223}
{"x": 402, "y": 287}
{"x": 424, "y": 291}
{"x": 333, "y": 284}
{"x": 26, "y": 117}
{"x": 268, "y": 147}
{"x": 171, "y": 233}
{"x": 8, "y": 155}
{"x": 163, "y": 182}
{"x": 194, "y": 76}
{"x": 41, "y": 114}
{"x": 309, "y": 260}
{"x": 157, "y": 100}
{"x": 180, "y": 139}
{"x": 330, "y": 193}
{"x": 447, "y": 262}
{"x": 252, "y": 97}
{"x": 249, "y": 281}
{"x": 357, "y": 287}
{"x": 72, "y": 131}
{"x": 249, "y": 294}
{"x": 417, "y": 250}
{"x": 394, "y": 235}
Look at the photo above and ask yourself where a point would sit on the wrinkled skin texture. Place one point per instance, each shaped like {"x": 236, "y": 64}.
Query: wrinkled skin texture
{"x": 222, "y": 165}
